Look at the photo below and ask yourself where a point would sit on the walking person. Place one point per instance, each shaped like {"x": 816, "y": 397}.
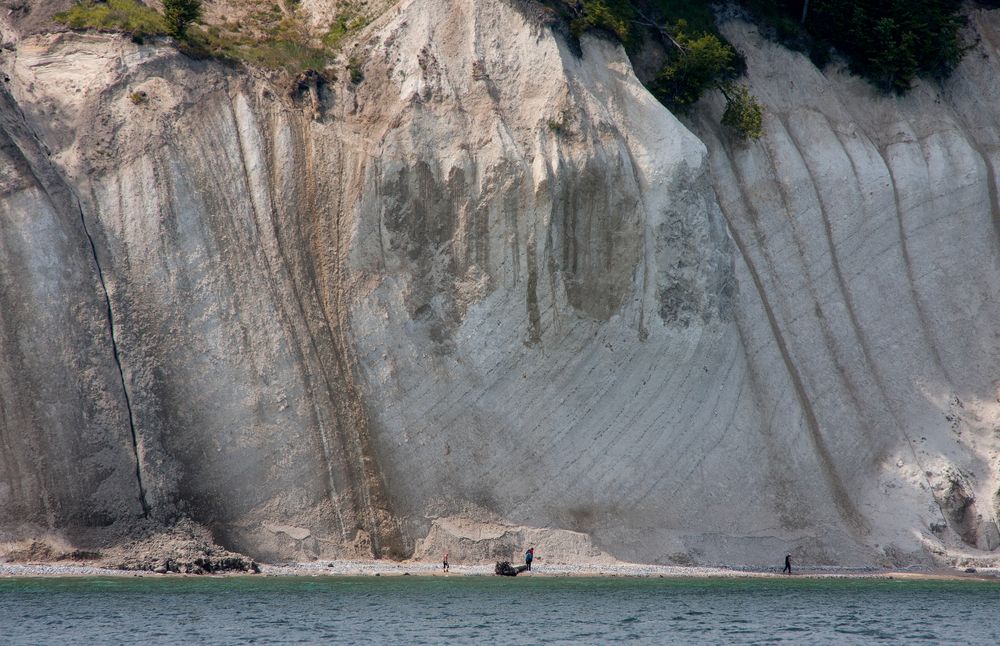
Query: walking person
{"x": 446, "y": 562}
{"x": 529, "y": 556}
{"x": 788, "y": 564}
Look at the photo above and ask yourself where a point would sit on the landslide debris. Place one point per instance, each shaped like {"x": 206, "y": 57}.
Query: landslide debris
{"x": 185, "y": 548}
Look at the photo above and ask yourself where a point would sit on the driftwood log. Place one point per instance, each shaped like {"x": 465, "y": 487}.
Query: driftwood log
{"x": 504, "y": 568}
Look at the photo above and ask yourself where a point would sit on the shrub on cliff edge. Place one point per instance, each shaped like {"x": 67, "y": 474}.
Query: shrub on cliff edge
{"x": 888, "y": 42}
{"x": 611, "y": 16}
{"x": 744, "y": 113}
{"x": 179, "y": 14}
{"x": 701, "y": 63}
{"x": 698, "y": 60}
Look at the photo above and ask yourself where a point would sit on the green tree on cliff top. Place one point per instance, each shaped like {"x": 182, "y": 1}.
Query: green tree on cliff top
{"x": 179, "y": 14}
{"x": 700, "y": 63}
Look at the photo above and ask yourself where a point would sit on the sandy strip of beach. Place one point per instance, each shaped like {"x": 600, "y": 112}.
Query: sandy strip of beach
{"x": 415, "y": 568}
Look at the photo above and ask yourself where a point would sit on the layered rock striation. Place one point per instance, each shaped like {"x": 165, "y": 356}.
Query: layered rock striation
{"x": 494, "y": 292}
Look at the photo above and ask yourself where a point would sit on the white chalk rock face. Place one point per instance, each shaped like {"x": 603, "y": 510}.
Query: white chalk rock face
{"x": 548, "y": 328}
{"x": 487, "y": 295}
{"x": 867, "y": 224}
{"x": 67, "y": 456}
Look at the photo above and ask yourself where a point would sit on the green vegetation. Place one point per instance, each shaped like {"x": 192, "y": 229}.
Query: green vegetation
{"x": 178, "y": 14}
{"x": 699, "y": 64}
{"x": 138, "y": 98}
{"x": 272, "y": 35}
{"x": 266, "y": 37}
{"x": 743, "y": 113}
{"x": 611, "y": 16}
{"x": 889, "y": 42}
{"x": 282, "y": 46}
{"x": 124, "y": 16}
{"x": 698, "y": 15}
{"x": 354, "y": 68}
{"x": 699, "y": 59}
{"x": 347, "y": 22}
{"x": 279, "y": 40}
{"x": 628, "y": 20}
{"x": 781, "y": 21}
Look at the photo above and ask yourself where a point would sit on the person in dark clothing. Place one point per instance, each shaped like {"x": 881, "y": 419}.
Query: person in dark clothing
{"x": 788, "y": 564}
{"x": 529, "y": 556}
{"x": 446, "y": 561}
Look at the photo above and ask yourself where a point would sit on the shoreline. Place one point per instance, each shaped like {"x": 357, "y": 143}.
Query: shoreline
{"x": 346, "y": 568}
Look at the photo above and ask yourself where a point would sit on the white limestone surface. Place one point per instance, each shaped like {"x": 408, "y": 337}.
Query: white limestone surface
{"x": 495, "y": 293}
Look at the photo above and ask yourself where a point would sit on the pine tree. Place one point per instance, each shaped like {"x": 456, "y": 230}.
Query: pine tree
{"x": 179, "y": 14}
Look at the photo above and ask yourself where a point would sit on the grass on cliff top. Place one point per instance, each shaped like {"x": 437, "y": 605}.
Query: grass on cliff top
{"x": 270, "y": 38}
{"x": 265, "y": 37}
{"x": 275, "y": 52}
{"x": 123, "y": 16}
{"x": 621, "y": 19}
{"x": 347, "y": 22}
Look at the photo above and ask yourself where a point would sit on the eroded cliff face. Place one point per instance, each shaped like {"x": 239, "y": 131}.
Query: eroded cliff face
{"x": 868, "y": 226}
{"x": 488, "y": 295}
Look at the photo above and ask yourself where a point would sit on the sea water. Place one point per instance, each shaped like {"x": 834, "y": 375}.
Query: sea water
{"x": 495, "y": 610}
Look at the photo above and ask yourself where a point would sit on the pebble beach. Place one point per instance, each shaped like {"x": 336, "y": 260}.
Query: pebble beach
{"x": 422, "y": 568}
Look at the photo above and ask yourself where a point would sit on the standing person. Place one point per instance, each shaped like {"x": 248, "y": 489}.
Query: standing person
{"x": 446, "y": 561}
{"x": 788, "y": 564}
{"x": 529, "y": 556}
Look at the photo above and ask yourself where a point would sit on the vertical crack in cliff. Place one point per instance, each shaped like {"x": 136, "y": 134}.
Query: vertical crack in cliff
{"x": 351, "y": 445}
{"x": 840, "y": 283}
{"x": 990, "y": 146}
{"x": 52, "y": 184}
{"x": 118, "y": 362}
{"x": 11, "y": 465}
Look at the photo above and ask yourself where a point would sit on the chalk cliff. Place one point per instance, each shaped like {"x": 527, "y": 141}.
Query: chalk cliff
{"x": 494, "y": 292}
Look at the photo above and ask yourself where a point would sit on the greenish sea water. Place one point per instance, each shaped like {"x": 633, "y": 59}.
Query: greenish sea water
{"x": 498, "y": 610}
